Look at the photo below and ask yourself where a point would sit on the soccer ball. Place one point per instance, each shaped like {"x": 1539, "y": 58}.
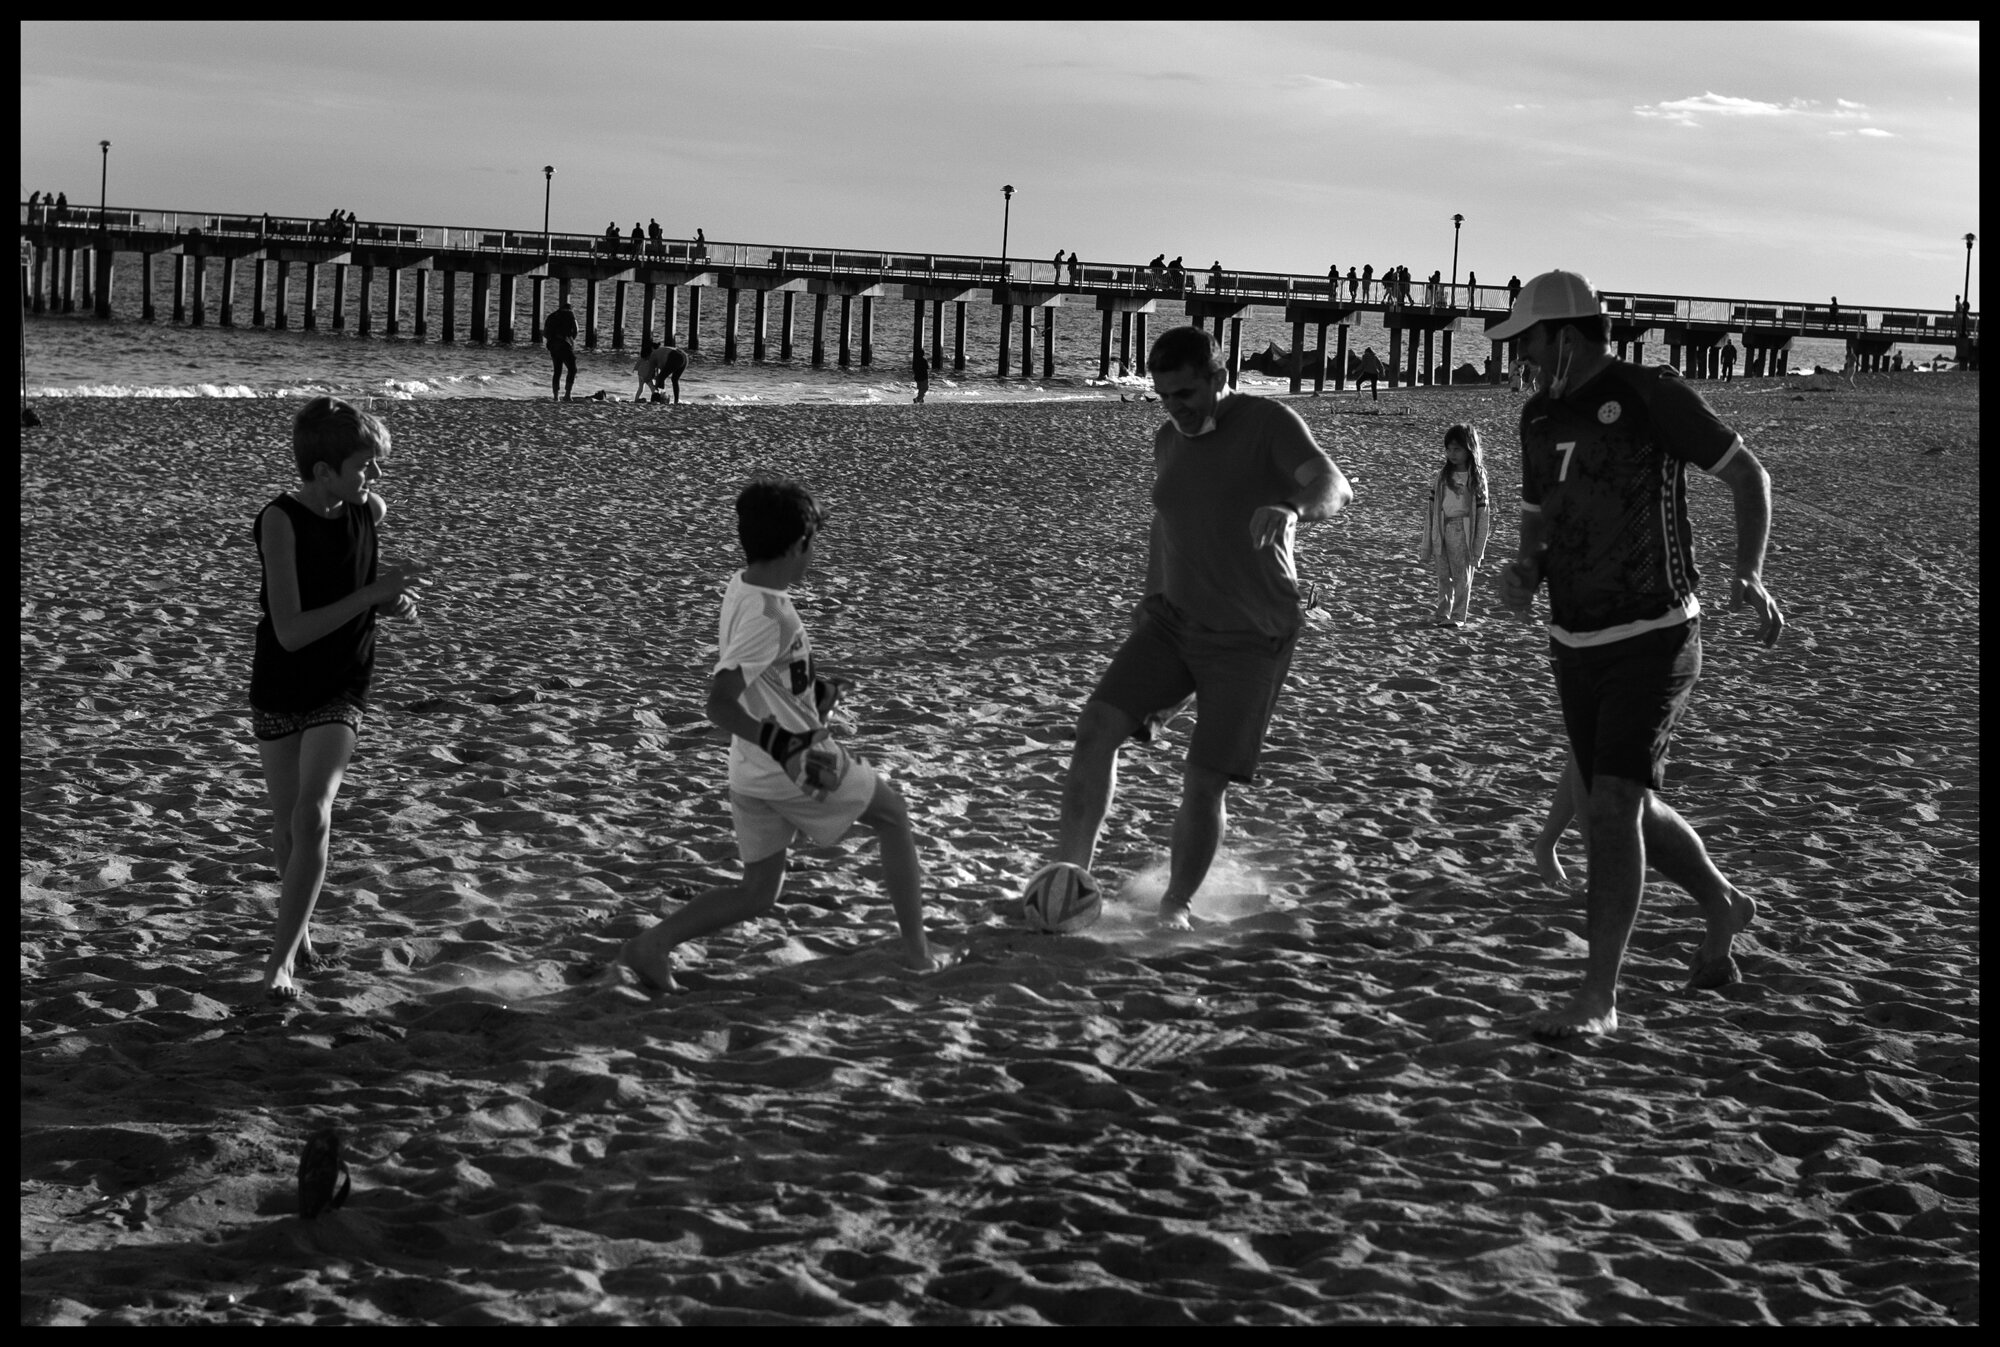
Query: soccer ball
{"x": 1061, "y": 898}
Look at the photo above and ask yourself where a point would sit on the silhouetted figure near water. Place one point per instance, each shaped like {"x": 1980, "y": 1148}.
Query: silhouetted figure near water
{"x": 920, "y": 369}
{"x": 560, "y": 333}
{"x": 1728, "y": 361}
{"x": 1371, "y": 374}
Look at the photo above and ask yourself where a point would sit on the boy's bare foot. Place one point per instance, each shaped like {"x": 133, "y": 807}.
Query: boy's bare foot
{"x": 1714, "y": 961}
{"x": 1178, "y": 917}
{"x": 279, "y": 987}
{"x": 936, "y": 961}
{"x": 1548, "y": 865}
{"x": 654, "y": 967}
{"x": 1578, "y": 1018}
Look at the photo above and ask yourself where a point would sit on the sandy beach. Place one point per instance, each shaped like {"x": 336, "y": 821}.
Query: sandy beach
{"x": 1321, "y": 1107}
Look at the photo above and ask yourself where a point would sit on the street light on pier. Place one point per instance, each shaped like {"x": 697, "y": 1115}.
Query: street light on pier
{"x": 103, "y": 177}
{"x": 1965, "y": 295}
{"x": 548, "y": 182}
{"x": 1006, "y": 212}
{"x": 1456, "y": 221}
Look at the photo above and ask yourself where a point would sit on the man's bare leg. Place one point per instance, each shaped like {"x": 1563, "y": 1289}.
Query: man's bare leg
{"x": 1562, "y": 810}
{"x": 1198, "y": 829}
{"x": 1092, "y": 781}
{"x": 1676, "y": 851}
{"x": 1617, "y": 859}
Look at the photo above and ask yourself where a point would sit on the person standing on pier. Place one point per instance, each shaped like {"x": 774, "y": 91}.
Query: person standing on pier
{"x": 1058, "y": 270}
{"x": 1353, "y": 284}
{"x": 1075, "y": 272}
{"x": 1605, "y": 447}
{"x": 1367, "y": 280}
{"x": 560, "y": 333}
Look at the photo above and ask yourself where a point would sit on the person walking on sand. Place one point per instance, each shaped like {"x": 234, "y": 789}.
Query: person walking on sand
{"x": 314, "y": 654}
{"x": 1604, "y": 452}
{"x": 1232, "y": 477}
{"x": 1458, "y": 519}
{"x": 1371, "y": 374}
{"x": 559, "y": 330}
{"x": 920, "y": 369}
{"x": 657, "y": 364}
{"x": 1728, "y": 361}
{"x": 786, "y": 777}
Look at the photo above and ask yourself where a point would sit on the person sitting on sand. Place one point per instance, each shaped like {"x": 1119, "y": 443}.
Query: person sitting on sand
{"x": 657, "y": 364}
{"x": 767, "y": 693}
{"x": 559, "y": 330}
{"x": 1604, "y": 452}
{"x": 1458, "y": 519}
{"x": 1232, "y": 477}
{"x": 315, "y": 650}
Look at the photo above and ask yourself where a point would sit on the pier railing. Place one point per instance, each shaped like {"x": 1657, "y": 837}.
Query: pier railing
{"x": 1461, "y": 303}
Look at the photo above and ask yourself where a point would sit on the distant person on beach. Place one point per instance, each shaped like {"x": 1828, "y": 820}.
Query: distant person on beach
{"x": 1728, "y": 361}
{"x": 658, "y": 364}
{"x": 920, "y": 371}
{"x": 1232, "y": 477}
{"x": 1605, "y": 447}
{"x": 315, "y": 651}
{"x": 786, "y": 777}
{"x": 559, "y": 330}
{"x": 1458, "y": 519}
{"x": 1371, "y": 374}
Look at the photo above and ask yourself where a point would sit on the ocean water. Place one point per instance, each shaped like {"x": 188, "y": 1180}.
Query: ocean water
{"x": 77, "y": 355}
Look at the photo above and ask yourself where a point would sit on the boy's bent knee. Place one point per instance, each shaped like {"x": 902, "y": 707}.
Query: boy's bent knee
{"x": 886, "y": 811}
{"x": 1102, "y": 725}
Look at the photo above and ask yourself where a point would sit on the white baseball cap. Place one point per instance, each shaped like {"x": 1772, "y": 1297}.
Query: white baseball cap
{"x": 1553, "y": 294}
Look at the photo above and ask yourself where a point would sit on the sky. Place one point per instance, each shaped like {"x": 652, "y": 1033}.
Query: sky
{"x": 1784, "y": 161}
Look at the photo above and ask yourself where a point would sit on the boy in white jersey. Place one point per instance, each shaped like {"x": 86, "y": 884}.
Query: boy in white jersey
{"x": 785, "y": 775}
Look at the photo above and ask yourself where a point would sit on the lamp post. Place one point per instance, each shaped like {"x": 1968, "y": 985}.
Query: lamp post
{"x": 104, "y": 176}
{"x": 548, "y": 182}
{"x": 1965, "y": 295}
{"x": 1456, "y": 221}
{"x": 1006, "y": 212}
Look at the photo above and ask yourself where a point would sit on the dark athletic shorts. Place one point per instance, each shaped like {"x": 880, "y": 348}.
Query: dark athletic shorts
{"x": 564, "y": 356}
{"x": 270, "y": 725}
{"x": 1236, "y": 675}
{"x": 1620, "y": 702}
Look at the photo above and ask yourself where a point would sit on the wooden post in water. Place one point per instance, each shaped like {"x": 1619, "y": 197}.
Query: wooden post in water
{"x": 85, "y": 264}
{"x": 146, "y": 314}
{"x": 256, "y": 292}
{"x": 758, "y": 306}
{"x": 392, "y": 319}
{"x": 180, "y": 288}
{"x": 1140, "y": 348}
{"x": 1124, "y": 345}
{"x": 339, "y": 296}
{"x": 1049, "y": 344}
{"x": 670, "y": 314}
{"x": 1446, "y": 344}
{"x": 618, "y": 315}
{"x": 819, "y": 330}
{"x": 1006, "y": 335}
{"x": 1395, "y": 353}
{"x": 281, "y": 317}
{"x": 958, "y": 338}
{"x": 1027, "y": 341}
{"x": 198, "y": 282}
{"x": 846, "y": 303}
{"x": 867, "y": 331}
{"x": 1339, "y": 359}
{"x": 937, "y": 335}
{"x": 590, "y": 313}
{"x": 450, "y": 331}
{"x": 422, "y": 305}
{"x": 694, "y": 319}
{"x": 228, "y": 291}
{"x": 787, "y": 315}
{"x": 1430, "y": 360}
{"x": 731, "y": 305}
{"x": 509, "y": 302}
{"x": 365, "y": 319}
{"x": 1299, "y": 355}
{"x": 1104, "y": 347}
{"x": 649, "y": 300}
{"x": 1319, "y": 366}
{"x": 1235, "y": 350}
{"x": 66, "y": 287}
{"x": 311, "y": 320}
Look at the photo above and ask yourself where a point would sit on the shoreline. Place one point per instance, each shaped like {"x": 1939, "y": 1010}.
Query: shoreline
{"x": 1319, "y": 1110}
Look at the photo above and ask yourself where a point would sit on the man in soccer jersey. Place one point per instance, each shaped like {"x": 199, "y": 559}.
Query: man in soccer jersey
{"x": 1605, "y": 447}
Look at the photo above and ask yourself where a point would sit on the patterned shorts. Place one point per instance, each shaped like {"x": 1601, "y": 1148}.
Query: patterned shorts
{"x": 270, "y": 725}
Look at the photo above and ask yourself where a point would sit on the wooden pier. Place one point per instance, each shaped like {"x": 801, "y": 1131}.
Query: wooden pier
{"x": 68, "y": 264}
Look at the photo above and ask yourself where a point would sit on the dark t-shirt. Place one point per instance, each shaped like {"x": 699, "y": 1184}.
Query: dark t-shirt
{"x": 1606, "y": 466}
{"x": 335, "y": 557}
{"x": 560, "y": 330}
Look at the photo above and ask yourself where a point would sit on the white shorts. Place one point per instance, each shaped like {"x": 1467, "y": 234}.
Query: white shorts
{"x": 766, "y": 827}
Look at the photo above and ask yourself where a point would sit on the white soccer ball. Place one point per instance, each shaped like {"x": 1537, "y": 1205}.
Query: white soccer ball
{"x": 1061, "y": 898}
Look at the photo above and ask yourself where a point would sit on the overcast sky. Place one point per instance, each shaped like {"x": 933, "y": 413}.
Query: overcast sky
{"x": 1782, "y": 161}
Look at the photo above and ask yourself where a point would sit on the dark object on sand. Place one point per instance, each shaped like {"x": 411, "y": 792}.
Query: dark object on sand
{"x": 319, "y": 1167}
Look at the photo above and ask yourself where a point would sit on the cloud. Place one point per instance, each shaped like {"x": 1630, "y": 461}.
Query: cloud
{"x": 1685, "y": 111}
{"x": 1876, "y": 131}
{"x": 1322, "y": 82}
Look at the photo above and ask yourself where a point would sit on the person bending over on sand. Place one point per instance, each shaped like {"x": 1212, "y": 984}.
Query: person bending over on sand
{"x": 560, "y": 333}
{"x": 1604, "y": 452}
{"x": 1458, "y": 518}
{"x": 315, "y": 650}
{"x": 659, "y": 364}
{"x": 1232, "y": 477}
{"x": 785, "y": 775}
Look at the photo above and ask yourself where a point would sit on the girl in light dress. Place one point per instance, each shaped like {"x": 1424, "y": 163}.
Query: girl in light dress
{"x": 1458, "y": 518}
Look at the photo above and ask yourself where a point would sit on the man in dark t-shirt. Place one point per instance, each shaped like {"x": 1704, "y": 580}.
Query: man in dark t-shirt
{"x": 560, "y": 333}
{"x": 1605, "y": 448}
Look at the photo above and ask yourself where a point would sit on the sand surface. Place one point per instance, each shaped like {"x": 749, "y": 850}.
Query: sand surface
{"x": 1321, "y": 1107}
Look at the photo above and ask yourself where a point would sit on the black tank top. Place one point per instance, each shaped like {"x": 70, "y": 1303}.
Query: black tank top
{"x": 335, "y": 557}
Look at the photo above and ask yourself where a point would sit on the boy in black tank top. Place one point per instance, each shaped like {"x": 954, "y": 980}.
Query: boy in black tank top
{"x": 315, "y": 649}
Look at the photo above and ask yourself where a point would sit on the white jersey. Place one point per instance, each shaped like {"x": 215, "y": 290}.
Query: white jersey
{"x": 761, "y": 635}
